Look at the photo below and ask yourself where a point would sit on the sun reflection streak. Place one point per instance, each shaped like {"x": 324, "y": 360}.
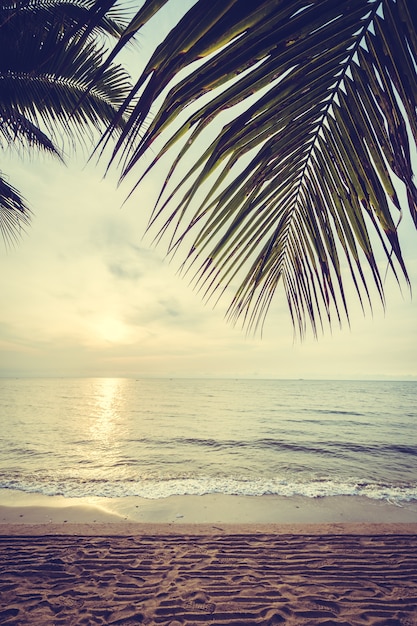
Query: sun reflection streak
{"x": 101, "y": 449}
{"x": 106, "y": 413}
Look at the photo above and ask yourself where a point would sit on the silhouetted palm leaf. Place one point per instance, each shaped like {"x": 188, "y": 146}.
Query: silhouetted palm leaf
{"x": 300, "y": 119}
{"x": 50, "y": 56}
{"x": 14, "y": 212}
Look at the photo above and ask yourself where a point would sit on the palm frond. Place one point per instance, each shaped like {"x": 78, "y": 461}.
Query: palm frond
{"x": 44, "y": 78}
{"x": 51, "y": 96}
{"x": 17, "y": 132}
{"x": 288, "y": 164}
{"x": 14, "y": 212}
{"x": 72, "y": 16}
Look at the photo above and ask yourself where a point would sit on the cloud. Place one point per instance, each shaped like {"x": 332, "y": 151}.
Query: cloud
{"x": 121, "y": 271}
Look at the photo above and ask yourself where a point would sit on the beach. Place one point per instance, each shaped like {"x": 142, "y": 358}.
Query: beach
{"x": 223, "y": 502}
{"x": 66, "y": 563}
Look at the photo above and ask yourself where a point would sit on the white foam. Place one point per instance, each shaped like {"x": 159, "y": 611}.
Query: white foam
{"x": 156, "y": 489}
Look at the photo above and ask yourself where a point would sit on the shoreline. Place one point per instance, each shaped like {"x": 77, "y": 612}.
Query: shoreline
{"x": 17, "y": 508}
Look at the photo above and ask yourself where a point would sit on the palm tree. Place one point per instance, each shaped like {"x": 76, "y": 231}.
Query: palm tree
{"x": 50, "y": 52}
{"x": 289, "y": 128}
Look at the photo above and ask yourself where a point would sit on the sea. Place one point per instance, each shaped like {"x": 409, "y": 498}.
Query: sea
{"x": 153, "y": 438}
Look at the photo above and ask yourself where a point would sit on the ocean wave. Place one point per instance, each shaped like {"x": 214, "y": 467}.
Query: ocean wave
{"x": 155, "y": 489}
{"x": 335, "y": 412}
{"x": 334, "y": 448}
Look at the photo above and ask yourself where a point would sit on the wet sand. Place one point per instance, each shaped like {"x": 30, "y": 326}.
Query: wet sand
{"x": 17, "y": 507}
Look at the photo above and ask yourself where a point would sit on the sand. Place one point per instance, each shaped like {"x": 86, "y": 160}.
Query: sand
{"x": 74, "y": 565}
{"x": 18, "y": 507}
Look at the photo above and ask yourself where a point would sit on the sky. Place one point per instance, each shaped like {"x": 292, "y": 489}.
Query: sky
{"x": 85, "y": 293}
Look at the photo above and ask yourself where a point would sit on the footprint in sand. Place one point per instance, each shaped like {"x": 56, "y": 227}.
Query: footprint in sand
{"x": 198, "y": 601}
